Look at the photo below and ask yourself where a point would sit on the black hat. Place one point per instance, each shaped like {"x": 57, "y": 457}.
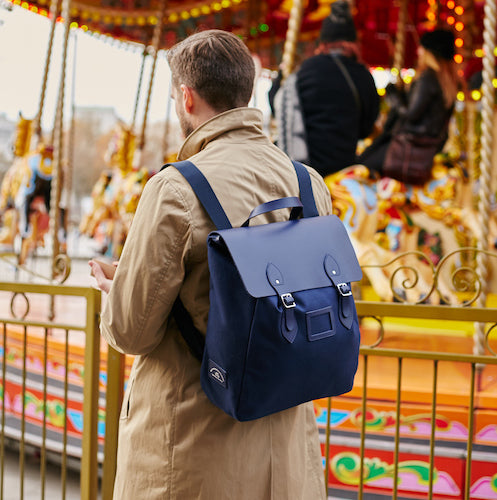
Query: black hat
{"x": 440, "y": 43}
{"x": 339, "y": 25}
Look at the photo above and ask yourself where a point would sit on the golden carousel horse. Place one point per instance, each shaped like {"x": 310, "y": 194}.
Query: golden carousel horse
{"x": 410, "y": 227}
{"x": 116, "y": 194}
{"x": 12, "y": 181}
{"x": 25, "y": 193}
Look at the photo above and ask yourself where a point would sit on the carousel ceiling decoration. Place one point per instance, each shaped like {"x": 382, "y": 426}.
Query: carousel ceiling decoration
{"x": 264, "y": 24}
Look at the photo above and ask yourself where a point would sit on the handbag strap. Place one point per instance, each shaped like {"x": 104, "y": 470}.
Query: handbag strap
{"x": 349, "y": 80}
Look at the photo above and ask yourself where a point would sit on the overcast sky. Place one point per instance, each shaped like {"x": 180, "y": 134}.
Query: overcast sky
{"x": 106, "y": 73}
{"x": 102, "y": 71}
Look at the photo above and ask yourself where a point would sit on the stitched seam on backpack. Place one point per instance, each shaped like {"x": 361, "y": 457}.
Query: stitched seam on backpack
{"x": 246, "y": 354}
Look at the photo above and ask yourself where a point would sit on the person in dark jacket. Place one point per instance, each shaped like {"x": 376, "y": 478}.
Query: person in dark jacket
{"x": 430, "y": 99}
{"x": 337, "y": 94}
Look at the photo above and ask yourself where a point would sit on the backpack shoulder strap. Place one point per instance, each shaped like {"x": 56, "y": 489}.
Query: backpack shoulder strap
{"x": 192, "y": 336}
{"x": 305, "y": 187}
{"x": 204, "y": 192}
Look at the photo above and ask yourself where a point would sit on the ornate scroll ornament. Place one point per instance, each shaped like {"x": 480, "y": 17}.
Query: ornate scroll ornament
{"x": 61, "y": 270}
{"x": 454, "y": 282}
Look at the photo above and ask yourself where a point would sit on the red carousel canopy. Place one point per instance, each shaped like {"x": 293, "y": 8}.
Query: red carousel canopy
{"x": 263, "y": 24}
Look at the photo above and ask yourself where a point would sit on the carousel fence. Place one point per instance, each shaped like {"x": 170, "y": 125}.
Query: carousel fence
{"x": 42, "y": 417}
{"x": 50, "y": 373}
{"x": 374, "y": 355}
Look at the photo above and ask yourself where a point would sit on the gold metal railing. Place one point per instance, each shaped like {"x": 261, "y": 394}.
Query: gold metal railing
{"x": 50, "y": 373}
{"x": 385, "y": 315}
{"x": 437, "y": 358}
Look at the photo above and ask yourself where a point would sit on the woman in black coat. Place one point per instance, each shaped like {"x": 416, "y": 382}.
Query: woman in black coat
{"x": 430, "y": 99}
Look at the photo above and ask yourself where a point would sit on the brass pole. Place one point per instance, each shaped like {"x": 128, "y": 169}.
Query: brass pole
{"x": 485, "y": 191}
{"x": 54, "y": 10}
{"x": 138, "y": 90}
{"x": 155, "y": 46}
{"x": 400, "y": 40}
{"x": 56, "y": 183}
{"x": 292, "y": 37}
{"x": 68, "y": 178}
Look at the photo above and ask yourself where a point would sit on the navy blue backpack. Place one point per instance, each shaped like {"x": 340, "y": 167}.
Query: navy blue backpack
{"x": 282, "y": 326}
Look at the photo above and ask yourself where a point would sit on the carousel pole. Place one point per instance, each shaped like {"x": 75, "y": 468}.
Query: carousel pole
{"x": 167, "y": 124}
{"x": 485, "y": 184}
{"x": 54, "y": 10}
{"x": 138, "y": 90}
{"x": 155, "y": 47}
{"x": 400, "y": 41}
{"x": 56, "y": 184}
{"x": 68, "y": 178}
{"x": 292, "y": 37}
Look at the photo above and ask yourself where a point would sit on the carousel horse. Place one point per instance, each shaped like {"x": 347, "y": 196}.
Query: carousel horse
{"x": 25, "y": 193}
{"x": 408, "y": 226}
{"x": 115, "y": 194}
{"x": 32, "y": 200}
{"x": 12, "y": 181}
{"x": 100, "y": 209}
{"x": 127, "y": 198}
{"x": 373, "y": 227}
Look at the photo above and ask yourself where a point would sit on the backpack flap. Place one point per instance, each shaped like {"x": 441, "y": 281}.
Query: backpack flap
{"x": 285, "y": 257}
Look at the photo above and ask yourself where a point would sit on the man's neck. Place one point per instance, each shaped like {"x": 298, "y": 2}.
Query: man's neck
{"x": 202, "y": 111}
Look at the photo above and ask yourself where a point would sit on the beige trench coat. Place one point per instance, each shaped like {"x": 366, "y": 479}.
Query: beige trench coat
{"x": 174, "y": 443}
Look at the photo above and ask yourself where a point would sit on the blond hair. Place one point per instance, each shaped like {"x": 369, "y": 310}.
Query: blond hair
{"x": 446, "y": 74}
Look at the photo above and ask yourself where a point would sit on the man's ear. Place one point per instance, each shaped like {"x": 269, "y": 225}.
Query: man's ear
{"x": 187, "y": 96}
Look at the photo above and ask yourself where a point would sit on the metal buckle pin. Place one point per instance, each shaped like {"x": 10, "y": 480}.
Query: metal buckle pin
{"x": 287, "y": 300}
{"x": 344, "y": 289}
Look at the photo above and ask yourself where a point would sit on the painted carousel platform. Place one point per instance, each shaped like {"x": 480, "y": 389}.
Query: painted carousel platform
{"x": 414, "y": 418}
{"x": 432, "y": 414}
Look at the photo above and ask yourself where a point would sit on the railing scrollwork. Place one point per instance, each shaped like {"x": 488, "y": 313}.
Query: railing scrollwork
{"x": 60, "y": 272}
{"x": 62, "y": 269}
{"x": 416, "y": 280}
{"x": 421, "y": 289}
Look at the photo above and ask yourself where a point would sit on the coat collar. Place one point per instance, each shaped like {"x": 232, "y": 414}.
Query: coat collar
{"x": 248, "y": 119}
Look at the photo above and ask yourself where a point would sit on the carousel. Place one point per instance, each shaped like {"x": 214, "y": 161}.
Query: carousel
{"x": 410, "y": 240}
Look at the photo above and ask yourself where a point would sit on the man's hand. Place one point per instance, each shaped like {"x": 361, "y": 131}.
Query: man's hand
{"x": 103, "y": 273}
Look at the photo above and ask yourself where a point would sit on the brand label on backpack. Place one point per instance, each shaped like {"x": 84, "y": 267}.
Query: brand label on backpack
{"x": 218, "y": 374}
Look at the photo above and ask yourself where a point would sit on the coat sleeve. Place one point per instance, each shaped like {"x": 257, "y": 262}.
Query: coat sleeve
{"x": 150, "y": 271}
